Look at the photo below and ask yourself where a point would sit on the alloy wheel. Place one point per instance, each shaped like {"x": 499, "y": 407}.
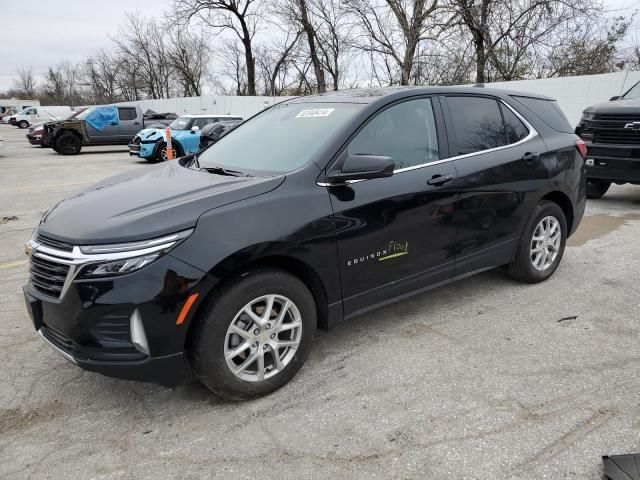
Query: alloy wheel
{"x": 262, "y": 338}
{"x": 545, "y": 244}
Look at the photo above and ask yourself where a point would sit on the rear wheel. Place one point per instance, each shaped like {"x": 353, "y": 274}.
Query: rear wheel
{"x": 23, "y": 124}
{"x": 254, "y": 335}
{"x": 68, "y": 144}
{"x": 597, "y": 188}
{"x": 541, "y": 246}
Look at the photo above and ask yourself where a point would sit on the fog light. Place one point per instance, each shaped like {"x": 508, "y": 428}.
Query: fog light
{"x": 138, "y": 338}
{"x": 589, "y": 162}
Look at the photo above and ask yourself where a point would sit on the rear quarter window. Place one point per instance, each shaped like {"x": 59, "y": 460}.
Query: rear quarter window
{"x": 548, "y": 111}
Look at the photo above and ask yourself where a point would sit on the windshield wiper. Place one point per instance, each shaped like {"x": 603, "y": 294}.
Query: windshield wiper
{"x": 223, "y": 171}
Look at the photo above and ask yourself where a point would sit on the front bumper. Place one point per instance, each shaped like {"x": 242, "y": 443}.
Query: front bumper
{"x": 34, "y": 139}
{"x": 617, "y": 163}
{"x": 91, "y": 324}
{"x": 144, "y": 149}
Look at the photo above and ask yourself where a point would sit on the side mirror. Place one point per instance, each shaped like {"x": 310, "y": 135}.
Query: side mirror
{"x": 616, "y": 97}
{"x": 195, "y": 128}
{"x": 362, "y": 167}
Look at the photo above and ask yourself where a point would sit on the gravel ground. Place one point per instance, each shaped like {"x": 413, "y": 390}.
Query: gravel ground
{"x": 483, "y": 379}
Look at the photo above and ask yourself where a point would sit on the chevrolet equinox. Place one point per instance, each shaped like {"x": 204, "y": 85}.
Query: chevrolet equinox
{"x": 224, "y": 263}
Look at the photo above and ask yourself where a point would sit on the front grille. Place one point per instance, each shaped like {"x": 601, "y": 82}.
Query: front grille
{"x": 625, "y": 136}
{"x": 50, "y": 242}
{"x": 614, "y": 117}
{"x": 47, "y": 277}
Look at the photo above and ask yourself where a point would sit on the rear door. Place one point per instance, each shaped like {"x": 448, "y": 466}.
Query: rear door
{"x": 501, "y": 167}
{"x": 396, "y": 235}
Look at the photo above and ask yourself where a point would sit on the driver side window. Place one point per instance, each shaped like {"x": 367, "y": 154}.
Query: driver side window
{"x": 405, "y": 131}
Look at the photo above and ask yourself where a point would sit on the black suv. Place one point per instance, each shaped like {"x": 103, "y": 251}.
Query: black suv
{"x": 313, "y": 211}
{"x": 611, "y": 131}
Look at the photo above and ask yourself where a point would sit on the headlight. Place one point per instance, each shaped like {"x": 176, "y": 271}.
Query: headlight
{"x": 588, "y": 115}
{"x": 123, "y": 258}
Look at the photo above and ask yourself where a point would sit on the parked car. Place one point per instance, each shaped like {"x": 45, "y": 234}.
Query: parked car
{"x": 611, "y": 131}
{"x": 313, "y": 211}
{"x": 150, "y": 143}
{"x": 36, "y": 136}
{"x": 33, "y": 115}
{"x": 102, "y": 125}
{"x": 213, "y": 132}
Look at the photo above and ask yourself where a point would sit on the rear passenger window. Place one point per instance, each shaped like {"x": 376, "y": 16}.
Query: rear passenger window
{"x": 127, "y": 113}
{"x": 477, "y": 124}
{"x": 548, "y": 111}
{"x": 516, "y": 130}
{"x": 406, "y": 132}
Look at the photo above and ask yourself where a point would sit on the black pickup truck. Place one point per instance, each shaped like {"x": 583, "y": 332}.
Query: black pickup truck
{"x": 611, "y": 131}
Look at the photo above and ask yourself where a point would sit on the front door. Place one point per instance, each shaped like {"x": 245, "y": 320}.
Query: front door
{"x": 395, "y": 235}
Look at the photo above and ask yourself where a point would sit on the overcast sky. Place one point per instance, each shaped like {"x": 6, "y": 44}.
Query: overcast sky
{"x": 40, "y": 33}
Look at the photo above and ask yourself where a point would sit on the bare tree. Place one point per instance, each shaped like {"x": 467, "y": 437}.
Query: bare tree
{"x": 394, "y": 29}
{"x": 509, "y": 36}
{"x": 274, "y": 61}
{"x": 190, "y": 56}
{"x": 26, "y": 82}
{"x": 335, "y": 29}
{"x": 239, "y": 16}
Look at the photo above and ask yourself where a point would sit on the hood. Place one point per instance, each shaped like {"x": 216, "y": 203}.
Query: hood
{"x": 631, "y": 106}
{"x": 156, "y": 133}
{"x": 146, "y": 203}
{"x": 150, "y": 133}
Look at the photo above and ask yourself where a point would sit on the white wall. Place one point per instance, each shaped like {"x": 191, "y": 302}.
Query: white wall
{"x": 574, "y": 94}
{"x": 219, "y": 104}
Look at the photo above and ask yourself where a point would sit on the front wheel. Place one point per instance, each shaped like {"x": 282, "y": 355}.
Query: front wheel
{"x": 162, "y": 155}
{"x": 597, "y": 188}
{"x": 23, "y": 124}
{"x": 254, "y": 335}
{"x": 541, "y": 246}
{"x": 68, "y": 144}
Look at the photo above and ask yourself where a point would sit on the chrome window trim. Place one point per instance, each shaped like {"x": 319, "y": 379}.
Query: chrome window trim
{"x": 532, "y": 134}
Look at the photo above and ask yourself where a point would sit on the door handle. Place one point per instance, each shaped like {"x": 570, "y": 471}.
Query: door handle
{"x": 531, "y": 157}
{"x": 136, "y": 123}
{"x": 439, "y": 180}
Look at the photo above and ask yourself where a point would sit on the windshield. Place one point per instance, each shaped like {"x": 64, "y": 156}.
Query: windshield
{"x": 180, "y": 123}
{"x": 279, "y": 140}
{"x": 634, "y": 92}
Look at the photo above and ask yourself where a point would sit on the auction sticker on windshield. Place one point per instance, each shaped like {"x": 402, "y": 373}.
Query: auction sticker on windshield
{"x": 315, "y": 112}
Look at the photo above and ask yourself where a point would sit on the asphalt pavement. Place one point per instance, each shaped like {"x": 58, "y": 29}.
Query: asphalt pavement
{"x": 482, "y": 379}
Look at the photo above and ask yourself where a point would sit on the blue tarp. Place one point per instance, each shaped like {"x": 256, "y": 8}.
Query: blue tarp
{"x": 100, "y": 117}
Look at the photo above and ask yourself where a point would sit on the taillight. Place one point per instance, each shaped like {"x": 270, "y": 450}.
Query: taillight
{"x": 582, "y": 148}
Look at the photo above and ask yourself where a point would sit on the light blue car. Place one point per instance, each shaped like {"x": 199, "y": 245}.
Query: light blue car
{"x": 185, "y": 137}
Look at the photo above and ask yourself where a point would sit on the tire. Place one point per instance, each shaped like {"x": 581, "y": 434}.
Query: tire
{"x": 161, "y": 152}
{"x": 23, "y": 124}
{"x": 527, "y": 266}
{"x": 68, "y": 143}
{"x": 212, "y": 340}
{"x": 597, "y": 188}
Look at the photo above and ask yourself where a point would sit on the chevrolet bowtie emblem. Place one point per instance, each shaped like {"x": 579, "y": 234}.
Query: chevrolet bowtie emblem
{"x": 633, "y": 125}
